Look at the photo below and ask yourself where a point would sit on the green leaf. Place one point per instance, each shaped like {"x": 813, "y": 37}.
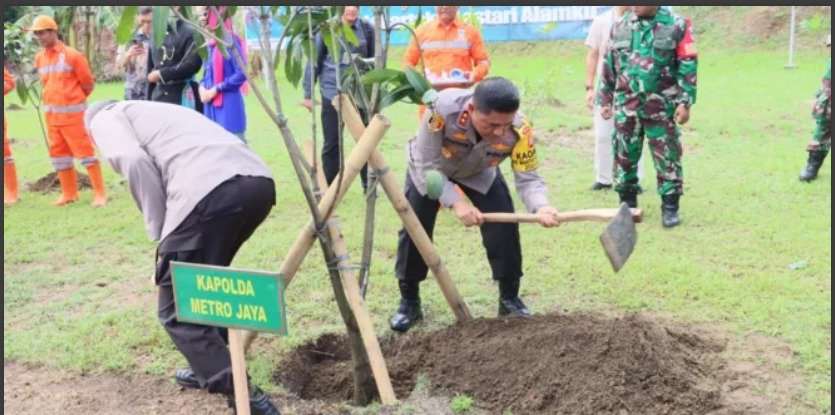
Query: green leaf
{"x": 21, "y": 90}
{"x": 230, "y": 12}
{"x": 417, "y": 80}
{"x": 333, "y": 47}
{"x": 220, "y": 33}
{"x": 349, "y": 35}
{"x": 160, "y": 24}
{"x": 200, "y": 45}
{"x": 402, "y": 92}
{"x": 379, "y": 76}
{"x": 126, "y": 24}
{"x": 419, "y": 18}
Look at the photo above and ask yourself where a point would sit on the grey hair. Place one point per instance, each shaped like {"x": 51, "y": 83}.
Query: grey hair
{"x": 94, "y": 108}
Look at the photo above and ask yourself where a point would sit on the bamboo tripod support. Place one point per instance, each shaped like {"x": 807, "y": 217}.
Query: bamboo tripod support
{"x": 304, "y": 242}
{"x": 407, "y": 215}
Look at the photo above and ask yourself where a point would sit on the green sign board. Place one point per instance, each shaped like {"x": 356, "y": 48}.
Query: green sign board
{"x": 228, "y": 297}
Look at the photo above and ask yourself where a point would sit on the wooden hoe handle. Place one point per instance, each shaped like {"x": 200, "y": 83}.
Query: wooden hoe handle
{"x": 598, "y": 215}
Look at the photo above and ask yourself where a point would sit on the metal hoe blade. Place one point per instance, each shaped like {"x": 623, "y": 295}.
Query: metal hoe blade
{"x": 619, "y": 237}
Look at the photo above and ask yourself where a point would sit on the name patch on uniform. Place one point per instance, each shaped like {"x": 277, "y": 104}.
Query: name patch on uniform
{"x": 523, "y": 157}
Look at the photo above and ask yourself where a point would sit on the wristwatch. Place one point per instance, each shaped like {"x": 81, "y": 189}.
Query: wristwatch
{"x": 589, "y": 87}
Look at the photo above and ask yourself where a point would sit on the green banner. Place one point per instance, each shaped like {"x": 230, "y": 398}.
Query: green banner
{"x": 228, "y": 297}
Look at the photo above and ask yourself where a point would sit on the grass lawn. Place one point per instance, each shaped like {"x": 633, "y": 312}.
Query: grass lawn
{"x": 76, "y": 279}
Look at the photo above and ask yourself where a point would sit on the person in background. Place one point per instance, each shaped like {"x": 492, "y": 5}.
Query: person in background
{"x": 649, "y": 84}
{"x": 324, "y": 70}
{"x": 134, "y": 59}
{"x": 454, "y": 55}
{"x": 172, "y": 66}
{"x": 10, "y": 189}
{"x": 818, "y": 148}
{"x": 67, "y": 82}
{"x": 223, "y": 77}
{"x": 598, "y": 43}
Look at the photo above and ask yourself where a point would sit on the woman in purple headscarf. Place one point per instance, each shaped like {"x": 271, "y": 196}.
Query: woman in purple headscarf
{"x": 224, "y": 80}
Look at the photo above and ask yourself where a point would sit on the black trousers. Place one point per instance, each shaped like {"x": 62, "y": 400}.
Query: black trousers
{"x": 330, "y": 146}
{"x": 500, "y": 240}
{"x": 211, "y": 234}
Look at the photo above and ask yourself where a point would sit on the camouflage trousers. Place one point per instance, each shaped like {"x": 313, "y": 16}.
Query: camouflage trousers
{"x": 662, "y": 139}
{"x": 823, "y": 128}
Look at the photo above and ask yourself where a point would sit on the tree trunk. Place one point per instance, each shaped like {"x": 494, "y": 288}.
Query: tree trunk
{"x": 364, "y": 386}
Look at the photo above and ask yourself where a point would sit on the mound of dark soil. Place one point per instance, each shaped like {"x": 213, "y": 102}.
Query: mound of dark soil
{"x": 547, "y": 364}
{"x": 49, "y": 183}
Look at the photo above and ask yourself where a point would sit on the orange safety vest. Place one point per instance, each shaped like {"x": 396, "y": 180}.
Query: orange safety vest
{"x": 450, "y": 52}
{"x": 67, "y": 82}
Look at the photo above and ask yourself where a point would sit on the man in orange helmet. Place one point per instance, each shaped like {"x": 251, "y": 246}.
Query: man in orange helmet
{"x": 454, "y": 55}
{"x": 10, "y": 194}
{"x": 67, "y": 82}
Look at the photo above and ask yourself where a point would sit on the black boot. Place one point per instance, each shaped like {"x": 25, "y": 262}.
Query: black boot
{"x": 630, "y": 198}
{"x": 810, "y": 172}
{"x": 408, "y": 313}
{"x": 669, "y": 210}
{"x": 259, "y": 403}
{"x": 509, "y": 302}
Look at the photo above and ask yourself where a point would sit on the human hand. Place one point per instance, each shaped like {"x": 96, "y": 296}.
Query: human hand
{"x": 206, "y": 95}
{"x": 467, "y": 214}
{"x": 135, "y": 50}
{"x": 590, "y": 99}
{"x": 308, "y": 103}
{"x": 154, "y": 77}
{"x": 606, "y": 112}
{"x": 548, "y": 216}
{"x": 682, "y": 114}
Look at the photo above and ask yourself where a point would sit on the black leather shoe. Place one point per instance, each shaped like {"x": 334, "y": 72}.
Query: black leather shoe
{"x": 513, "y": 307}
{"x": 669, "y": 211}
{"x": 600, "y": 186}
{"x": 186, "y": 378}
{"x": 259, "y": 404}
{"x": 408, "y": 313}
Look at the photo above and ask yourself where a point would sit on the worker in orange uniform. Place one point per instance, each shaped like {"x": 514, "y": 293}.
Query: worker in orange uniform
{"x": 454, "y": 55}
{"x": 67, "y": 82}
{"x": 10, "y": 193}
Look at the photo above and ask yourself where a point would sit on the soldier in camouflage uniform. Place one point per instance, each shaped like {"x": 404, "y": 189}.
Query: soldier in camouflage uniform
{"x": 465, "y": 137}
{"x": 819, "y": 146}
{"x": 649, "y": 76}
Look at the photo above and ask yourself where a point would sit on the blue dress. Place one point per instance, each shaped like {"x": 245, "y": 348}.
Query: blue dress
{"x": 232, "y": 113}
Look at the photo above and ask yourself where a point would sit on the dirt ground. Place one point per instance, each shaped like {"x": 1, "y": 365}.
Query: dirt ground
{"x": 49, "y": 183}
{"x": 564, "y": 364}
{"x": 547, "y": 364}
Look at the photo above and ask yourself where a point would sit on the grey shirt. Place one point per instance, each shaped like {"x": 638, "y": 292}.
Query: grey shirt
{"x": 456, "y": 152}
{"x": 171, "y": 156}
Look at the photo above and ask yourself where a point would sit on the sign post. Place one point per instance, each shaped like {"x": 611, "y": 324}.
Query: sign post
{"x": 235, "y": 299}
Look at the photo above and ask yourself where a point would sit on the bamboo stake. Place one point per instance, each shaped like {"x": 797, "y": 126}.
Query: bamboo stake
{"x": 407, "y": 215}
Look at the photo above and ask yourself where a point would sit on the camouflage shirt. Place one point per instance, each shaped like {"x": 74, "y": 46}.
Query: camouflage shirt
{"x": 823, "y": 103}
{"x": 650, "y": 66}
{"x": 446, "y": 141}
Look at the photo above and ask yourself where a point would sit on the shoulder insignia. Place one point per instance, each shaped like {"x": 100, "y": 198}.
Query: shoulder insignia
{"x": 436, "y": 122}
{"x": 463, "y": 119}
